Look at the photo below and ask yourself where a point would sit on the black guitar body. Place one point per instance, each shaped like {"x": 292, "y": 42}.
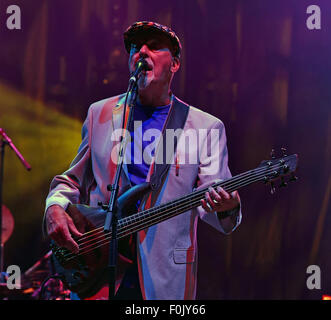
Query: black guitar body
{"x": 86, "y": 272}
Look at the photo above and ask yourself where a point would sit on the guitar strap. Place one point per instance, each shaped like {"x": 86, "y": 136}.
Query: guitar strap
{"x": 163, "y": 158}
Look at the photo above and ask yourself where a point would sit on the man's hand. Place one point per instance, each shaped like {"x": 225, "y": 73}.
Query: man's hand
{"x": 61, "y": 228}
{"x": 220, "y": 201}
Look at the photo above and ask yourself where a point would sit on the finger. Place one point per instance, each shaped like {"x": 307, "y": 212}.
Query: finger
{"x": 223, "y": 193}
{"x": 58, "y": 229}
{"x": 73, "y": 230}
{"x": 214, "y": 195}
{"x": 56, "y": 233}
{"x": 210, "y": 201}
{"x": 235, "y": 195}
{"x": 68, "y": 242}
{"x": 205, "y": 206}
{"x": 59, "y": 237}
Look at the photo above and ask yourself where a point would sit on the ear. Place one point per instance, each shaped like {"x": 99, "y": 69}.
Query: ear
{"x": 175, "y": 64}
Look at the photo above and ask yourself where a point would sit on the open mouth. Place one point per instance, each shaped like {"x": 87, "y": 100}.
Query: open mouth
{"x": 149, "y": 67}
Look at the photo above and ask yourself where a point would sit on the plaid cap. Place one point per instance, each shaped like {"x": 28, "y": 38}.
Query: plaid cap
{"x": 148, "y": 26}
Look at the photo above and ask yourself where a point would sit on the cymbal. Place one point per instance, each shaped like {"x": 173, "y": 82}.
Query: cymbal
{"x": 7, "y": 224}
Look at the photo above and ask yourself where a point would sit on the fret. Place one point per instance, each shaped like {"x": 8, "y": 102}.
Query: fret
{"x": 152, "y": 216}
{"x": 268, "y": 171}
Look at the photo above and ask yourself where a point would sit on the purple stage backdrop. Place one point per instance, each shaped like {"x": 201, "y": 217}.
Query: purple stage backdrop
{"x": 258, "y": 65}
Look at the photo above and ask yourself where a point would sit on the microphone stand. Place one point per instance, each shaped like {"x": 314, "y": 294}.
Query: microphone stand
{"x": 111, "y": 222}
{"x": 5, "y": 140}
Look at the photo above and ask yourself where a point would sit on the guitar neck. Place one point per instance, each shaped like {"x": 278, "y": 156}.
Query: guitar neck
{"x": 268, "y": 171}
{"x": 152, "y": 216}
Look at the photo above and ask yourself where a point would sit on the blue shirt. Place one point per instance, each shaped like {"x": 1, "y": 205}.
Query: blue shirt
{"x": 145, "y": 130}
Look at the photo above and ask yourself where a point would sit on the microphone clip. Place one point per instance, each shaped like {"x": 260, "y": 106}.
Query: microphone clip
{"x": 140, "y": 66}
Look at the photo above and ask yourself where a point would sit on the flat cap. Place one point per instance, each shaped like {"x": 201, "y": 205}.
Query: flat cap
{"x": 149, "y": 27}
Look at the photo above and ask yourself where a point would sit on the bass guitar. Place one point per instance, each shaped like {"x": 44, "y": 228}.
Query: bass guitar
{"x": 86, "y": 272}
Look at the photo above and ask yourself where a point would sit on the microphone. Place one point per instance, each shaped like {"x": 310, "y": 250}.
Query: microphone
{"x": 140, "y": 66}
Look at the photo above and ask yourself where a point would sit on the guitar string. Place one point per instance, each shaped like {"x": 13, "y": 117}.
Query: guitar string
{"x": 155, "y": 217}
{"x": 159, "y": 211}
{"x": 128, "y": 230}
{"x": 163, "y": 207}
{"x": 93, "y": 232}
{"x": 100, "y": 229}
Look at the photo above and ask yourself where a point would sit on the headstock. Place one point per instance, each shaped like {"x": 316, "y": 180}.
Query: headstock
{"x": 279, "y": 168}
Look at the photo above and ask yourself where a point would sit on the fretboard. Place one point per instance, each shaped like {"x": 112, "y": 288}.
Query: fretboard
{"x": 157, "y": 214}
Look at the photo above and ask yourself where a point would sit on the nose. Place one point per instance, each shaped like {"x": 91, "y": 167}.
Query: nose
{"x": 143, "y": 52}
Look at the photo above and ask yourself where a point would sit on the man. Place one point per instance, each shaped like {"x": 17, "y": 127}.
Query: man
{"x": 166, "y": 253}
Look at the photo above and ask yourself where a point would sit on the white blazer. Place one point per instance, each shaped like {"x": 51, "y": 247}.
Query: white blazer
{"x": 167, "y": 252}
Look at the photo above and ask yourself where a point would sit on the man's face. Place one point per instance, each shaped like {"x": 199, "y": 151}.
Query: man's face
{"x": 156, "y": 50}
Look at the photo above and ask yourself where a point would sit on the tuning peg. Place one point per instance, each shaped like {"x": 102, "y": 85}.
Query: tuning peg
{"x": 283, "y": 183}
{"x": 272, "y": 154}
{"x": 273, "y": 189}
{"x": 283, "y": 152}
{"x": 293, "y": 178}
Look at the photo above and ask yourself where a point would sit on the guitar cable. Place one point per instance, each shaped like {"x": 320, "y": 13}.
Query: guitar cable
{"x": 43, "y": 285}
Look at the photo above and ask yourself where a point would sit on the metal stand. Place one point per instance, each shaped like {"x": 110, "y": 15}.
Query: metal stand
{"x": 2, "y": 155}
{"x": 111, "y": 222}
{"x": 5, "y": 140}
